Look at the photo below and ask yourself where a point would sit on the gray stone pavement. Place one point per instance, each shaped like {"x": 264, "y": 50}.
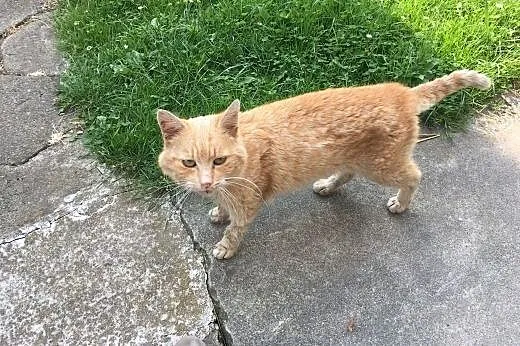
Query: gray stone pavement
{"x": 82, "y": 260}
{"x": 13, "y": 13}
{"x": 24, "y": 100}
{"x": 342, "y": 270}
{"x": 21, "y": 56}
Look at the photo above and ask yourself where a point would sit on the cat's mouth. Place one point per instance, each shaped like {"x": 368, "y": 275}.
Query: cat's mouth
{"x": 206, "y": 191}
{"x": 212, "y": 190}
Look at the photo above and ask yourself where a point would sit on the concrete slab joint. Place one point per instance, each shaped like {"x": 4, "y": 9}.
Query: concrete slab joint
{"x": 224, "y": 336}
{"x": 28, "y": 117}
{"x": 13, "y": 13}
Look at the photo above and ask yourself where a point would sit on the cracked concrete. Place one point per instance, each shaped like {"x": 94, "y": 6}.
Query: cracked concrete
{"x": 81, "y": 259}
{"x": 20, "y": 53}
{"x": 23, "y": 129}
{"x": 221, "y": 317}
{"x": 23, "y": 183}
{"x": 14, "y": 12}
{"x": 99, "y": 277}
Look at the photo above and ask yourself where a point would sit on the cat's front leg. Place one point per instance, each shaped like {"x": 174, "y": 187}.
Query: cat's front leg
{"x": 228, "y": 245}
{"x": 219, "y": 214}
{"x": 234, "y": 233}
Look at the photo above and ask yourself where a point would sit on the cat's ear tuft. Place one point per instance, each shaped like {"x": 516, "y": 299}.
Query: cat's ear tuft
{"x": 230, "y": 118}
{"x": 170, "y": 125}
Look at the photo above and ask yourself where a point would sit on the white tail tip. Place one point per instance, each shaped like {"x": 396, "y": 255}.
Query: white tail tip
{"x": 474, "y": 79}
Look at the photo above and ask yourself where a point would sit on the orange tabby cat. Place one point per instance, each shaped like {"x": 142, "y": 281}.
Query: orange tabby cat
{"x": 242, "y": 159}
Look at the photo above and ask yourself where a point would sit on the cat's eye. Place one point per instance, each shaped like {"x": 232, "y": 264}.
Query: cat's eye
{"x": 219, "y": 160}
{"x": 189, "y": 163}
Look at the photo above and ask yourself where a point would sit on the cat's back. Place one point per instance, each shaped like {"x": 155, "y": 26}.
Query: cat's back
{"x": 388, "y": 102}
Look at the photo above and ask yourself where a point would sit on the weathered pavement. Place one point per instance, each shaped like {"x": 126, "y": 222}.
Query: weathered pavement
{"x": 342, "y": 270}
{"x": 81, "y": 260}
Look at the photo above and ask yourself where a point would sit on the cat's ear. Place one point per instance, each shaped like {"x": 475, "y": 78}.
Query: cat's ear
{"x": 230, "y": 118}
{"x": 170, "y": 125}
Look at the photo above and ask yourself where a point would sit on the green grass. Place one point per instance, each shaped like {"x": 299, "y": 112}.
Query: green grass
{"x": 128, "y": 58}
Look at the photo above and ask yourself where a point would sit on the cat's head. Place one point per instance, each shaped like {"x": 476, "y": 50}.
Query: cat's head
{"x": 200, "y": 153}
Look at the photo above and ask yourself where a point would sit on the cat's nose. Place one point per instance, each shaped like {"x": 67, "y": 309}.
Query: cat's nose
{"x": 205, "y": 186}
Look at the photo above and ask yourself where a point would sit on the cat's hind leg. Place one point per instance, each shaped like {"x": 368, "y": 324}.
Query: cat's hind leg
{"x": 407, "y": 178}
{"x": 327, "y": 186}
{"x": 218, "y": 215}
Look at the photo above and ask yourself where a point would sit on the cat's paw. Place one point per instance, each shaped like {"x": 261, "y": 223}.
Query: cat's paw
{"x": 394, "y": 206}
{"x": 324, "y": 187}
{"x": 224, "y": 250}
{"x": 217, "y": 216}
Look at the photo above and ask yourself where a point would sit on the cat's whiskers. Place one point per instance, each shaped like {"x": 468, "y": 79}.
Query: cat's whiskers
{"x": 229, "y": 199}
{"x": 177, "y": 192}
{"x": 244, "y": 186}
{"x": 230, "y": 182}
{"x": 246, "y": 180}
{"x": 177, "y": 189}
{"x": 179, "y": 197}
{"x": 258, "y": 194}
{"x": 184, "y": 191}
{"x": 183, "y": 199}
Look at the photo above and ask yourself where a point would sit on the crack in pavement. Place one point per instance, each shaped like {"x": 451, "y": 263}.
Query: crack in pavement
{"x": 46, "y": 146}
{"x": 125, "y": 244}
{"x": 2, "y": 68}
{"x": 30, "y": 157}
{"x": 49, "y": 221}
{"x": 45, "y": 223}
{"x": 67, "y": 208}
{"x": 13, "y": 29}
{"x": 221, "y": 316}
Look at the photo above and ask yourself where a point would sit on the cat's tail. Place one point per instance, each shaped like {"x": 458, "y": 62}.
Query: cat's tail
{"x": 433, "y": 92}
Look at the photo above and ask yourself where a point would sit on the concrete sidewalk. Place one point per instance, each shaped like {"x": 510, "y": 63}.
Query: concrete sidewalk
{"x": 81, "y": 260}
